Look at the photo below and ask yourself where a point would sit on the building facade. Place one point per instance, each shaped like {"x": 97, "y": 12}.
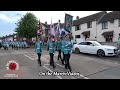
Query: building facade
{"x": 108, "y": 28}
{"x": 86, "y": 27}
{"x": 103, "y": 27}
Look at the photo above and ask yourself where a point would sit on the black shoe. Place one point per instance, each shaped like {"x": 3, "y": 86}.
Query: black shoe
{"x": 66, "y": 67}
{"x": 50, "y": 64}
{"x": 54, "y": 66}
{"x": 62, "y": 62}
{"x": 70, "y": 70}
{"x": 40, "y": 65}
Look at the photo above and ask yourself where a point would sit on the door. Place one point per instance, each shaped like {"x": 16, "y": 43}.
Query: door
{"x": 82, "y": 47}
{"x": 91, "y": 48}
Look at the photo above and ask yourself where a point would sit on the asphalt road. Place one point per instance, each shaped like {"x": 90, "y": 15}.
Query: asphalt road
{"x": 84, "y": 66}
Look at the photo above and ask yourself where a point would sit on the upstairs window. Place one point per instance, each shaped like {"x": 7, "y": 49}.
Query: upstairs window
{"x": 78, "y": 27}
{"x": 89, "y": 25}
{"x": 119, "y": 22}
{"x": 105, "y": 25}
{"x": 111, "y": 21}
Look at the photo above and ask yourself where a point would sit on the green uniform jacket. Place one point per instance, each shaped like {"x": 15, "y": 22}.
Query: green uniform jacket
{"x": 67, "y": 47}
{"x": 59, "y": 45}
{"x": 38, "y": 47}
{"x": 51, "y": 46}
{"x": 62, "y": 42}
{"x": 118, "y": 42}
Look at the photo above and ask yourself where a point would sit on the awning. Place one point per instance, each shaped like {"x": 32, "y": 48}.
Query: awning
{"x": 86, "y": 32}
{"x": 108, "y": 33}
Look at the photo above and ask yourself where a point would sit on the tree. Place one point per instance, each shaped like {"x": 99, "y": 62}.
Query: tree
{"x": 27, "y": 26}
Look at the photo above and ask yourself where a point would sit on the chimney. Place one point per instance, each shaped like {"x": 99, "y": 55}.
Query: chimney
{"x": 45, "y": 22}
{"x": 77, "y": 17}
{"x": 59, "y": 21}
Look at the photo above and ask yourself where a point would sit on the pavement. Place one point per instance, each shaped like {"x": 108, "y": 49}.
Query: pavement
{"x": 84, "y": 66}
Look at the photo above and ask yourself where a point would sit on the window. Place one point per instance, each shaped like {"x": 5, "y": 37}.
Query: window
{"x": 89, "y": 43}
{"x": 86, "y": 36}
{"x": 89, "y": 25}
{"x": 119, "y": 22}
{"x": 109, "y": 38}
{"x": 77, "y": 27}
{"x": 77, "y": 36}
{"x": 83, "y": 43}
{"x": 104, "y": 25}
{"x": 111, "y": 21}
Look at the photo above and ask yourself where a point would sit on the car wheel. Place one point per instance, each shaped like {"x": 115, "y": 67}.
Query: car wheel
{"x": 77, "y": 50}
{"x": 100, "y": 53}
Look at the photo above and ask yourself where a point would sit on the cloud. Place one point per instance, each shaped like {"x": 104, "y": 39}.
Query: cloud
{"x": 10, "y": 16}
{"x": 4, "y": 17}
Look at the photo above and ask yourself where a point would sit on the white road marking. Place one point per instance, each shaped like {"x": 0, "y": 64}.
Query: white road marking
{"x": 60, "y": 65}
{"x": 52, "y": 71}
{"x": 84, "y": 77}
{"x": 80, "y": 74}
{"x": 46, "y": 64}
{"x": 28, "y": 57}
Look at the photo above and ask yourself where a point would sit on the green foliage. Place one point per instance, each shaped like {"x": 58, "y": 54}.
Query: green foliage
{"x": 27, "y": 26}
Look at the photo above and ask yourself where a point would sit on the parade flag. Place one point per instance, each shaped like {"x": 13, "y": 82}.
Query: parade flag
{"x": 62, "y": 32}
{"x": 52, "y": 31}
{"x": 39, "y": 31}
{"x": 68, "y": 22}
{"x": 58, "y": 29}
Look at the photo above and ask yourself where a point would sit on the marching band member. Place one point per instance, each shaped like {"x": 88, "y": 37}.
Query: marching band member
{"x": 59, "y": 47}
{"x": 62, "y": 49}
{"x": 67, "y": 51}
{"x": 38, "y": 50}
{"x": 51, "y": 48}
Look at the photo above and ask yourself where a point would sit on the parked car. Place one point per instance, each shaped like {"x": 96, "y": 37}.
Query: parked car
{"x": 94, "y": 47}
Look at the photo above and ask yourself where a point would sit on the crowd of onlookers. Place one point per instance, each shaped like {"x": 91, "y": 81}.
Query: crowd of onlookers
{"x": 13, "y": 44}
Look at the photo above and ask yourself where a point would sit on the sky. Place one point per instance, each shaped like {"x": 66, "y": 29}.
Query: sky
{"x": 9, "y": 18}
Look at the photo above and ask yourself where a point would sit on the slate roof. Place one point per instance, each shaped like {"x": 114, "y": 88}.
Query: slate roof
{"x": 93, "y": 17}
{"x": 110, "y": 16}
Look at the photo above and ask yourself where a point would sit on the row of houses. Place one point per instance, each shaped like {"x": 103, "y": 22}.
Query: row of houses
{"x": 10, "y": 37}
{"x": 102, "y": 26}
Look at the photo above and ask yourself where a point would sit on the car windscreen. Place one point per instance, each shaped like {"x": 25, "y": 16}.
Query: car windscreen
{"x": 96, "y": 43}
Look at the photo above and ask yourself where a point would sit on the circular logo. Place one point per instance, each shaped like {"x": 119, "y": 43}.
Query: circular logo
{"x": 12, "y": 65}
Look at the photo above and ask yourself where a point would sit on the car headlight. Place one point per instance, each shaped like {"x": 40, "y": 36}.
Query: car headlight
{"x": 109, "y": 49}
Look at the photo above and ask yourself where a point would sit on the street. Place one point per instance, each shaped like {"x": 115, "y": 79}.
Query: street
{"x": 88, "y": 66}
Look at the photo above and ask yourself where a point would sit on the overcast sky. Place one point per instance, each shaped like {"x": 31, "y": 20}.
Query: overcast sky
{"x": 9, "y": 18}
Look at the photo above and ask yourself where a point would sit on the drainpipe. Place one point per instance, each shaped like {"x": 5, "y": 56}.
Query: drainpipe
{"x": 96, "y": 30}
